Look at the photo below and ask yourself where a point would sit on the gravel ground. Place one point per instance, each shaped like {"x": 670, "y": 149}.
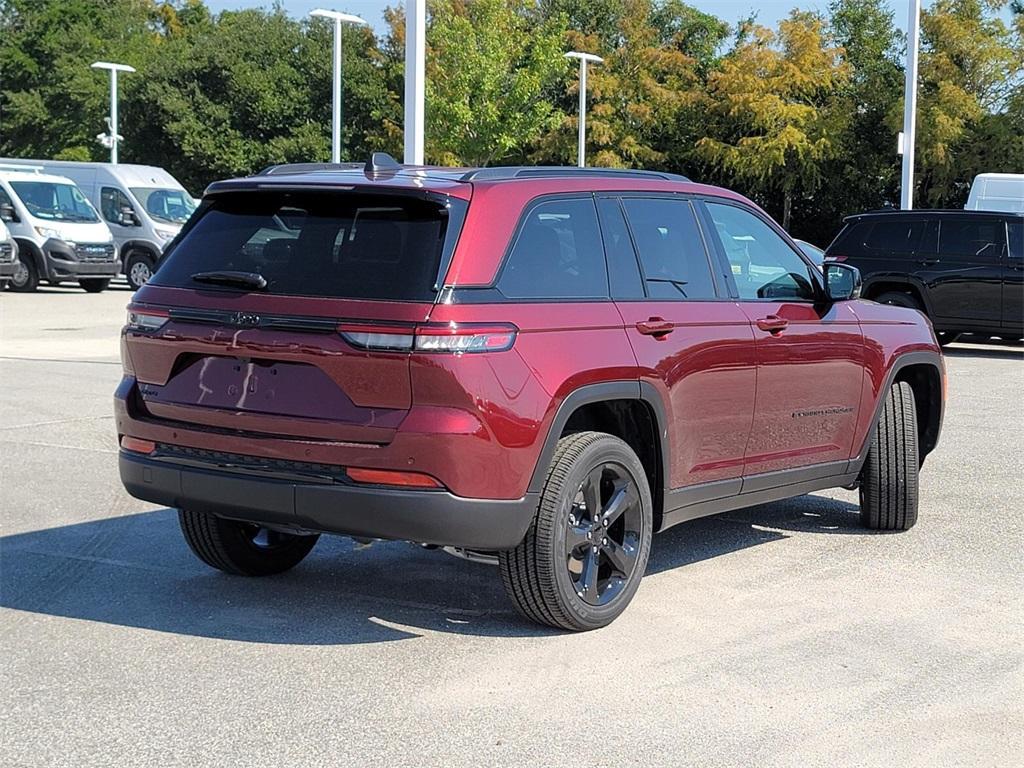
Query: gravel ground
{"x": 775, "y": 636}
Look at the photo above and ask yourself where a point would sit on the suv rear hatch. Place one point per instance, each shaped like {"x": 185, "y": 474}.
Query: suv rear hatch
{"x": 289, "y": 312}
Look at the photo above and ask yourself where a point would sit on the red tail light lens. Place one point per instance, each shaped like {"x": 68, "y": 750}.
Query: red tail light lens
{"x": 390, "y": 477}
{"x": 441, "y": 338}
{"x": 146, "y": 320}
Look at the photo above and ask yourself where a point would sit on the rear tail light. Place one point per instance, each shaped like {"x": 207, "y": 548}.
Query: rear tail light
{"x": 135, "y": 445}
{"x": 391, "y": 477}
{"x": 450, "y": 338}
{"x": 146, "y": 320}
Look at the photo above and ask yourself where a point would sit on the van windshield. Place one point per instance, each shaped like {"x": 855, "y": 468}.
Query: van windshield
{"x": 54, "y": 201}
{"x": 349, "y": 245}
{"x": 170, "y": 205}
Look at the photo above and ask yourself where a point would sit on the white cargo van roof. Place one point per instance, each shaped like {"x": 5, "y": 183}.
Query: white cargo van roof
{"x": 26, "y": 173}
{"x": 997, "y": 192}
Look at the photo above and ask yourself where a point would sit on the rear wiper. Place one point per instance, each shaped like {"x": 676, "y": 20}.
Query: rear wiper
{"x": 251, "y": 280}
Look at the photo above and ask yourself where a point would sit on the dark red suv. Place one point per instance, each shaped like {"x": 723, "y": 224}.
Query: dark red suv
{"x": 545, "y": 364}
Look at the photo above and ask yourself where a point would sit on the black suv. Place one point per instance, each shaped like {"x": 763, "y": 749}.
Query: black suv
{"x": 964, "y": 269}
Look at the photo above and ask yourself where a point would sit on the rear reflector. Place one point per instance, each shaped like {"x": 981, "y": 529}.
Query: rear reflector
{"x": 135, "y": 445}
{"x": 390, "y": 477}
{"x": 450, "y": 338}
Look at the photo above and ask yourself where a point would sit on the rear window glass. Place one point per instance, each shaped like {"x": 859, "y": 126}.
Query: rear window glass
{"x": 337, "y": 245}
{"x": 899, "y": 235}
{"x": 972, "y": 237}
{"x": 558, "y": 254}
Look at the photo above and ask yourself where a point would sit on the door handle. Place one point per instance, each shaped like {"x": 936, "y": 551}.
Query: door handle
{"x": 655, "y": 326}
{"x": 773, "y": 324}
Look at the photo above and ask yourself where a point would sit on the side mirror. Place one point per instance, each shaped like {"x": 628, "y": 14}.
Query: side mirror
{"x": 842, "y": 282}
{"x": 7, "y": 212}
{"x": 128, "y": 217}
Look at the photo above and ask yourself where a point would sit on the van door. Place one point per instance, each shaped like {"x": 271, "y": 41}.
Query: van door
{"x": 964, "y": 278}
{"x": 112, "y": 202}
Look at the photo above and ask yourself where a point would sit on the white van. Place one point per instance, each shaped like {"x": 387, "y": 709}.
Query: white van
{"x": 8, "y": 256}
{"x": 143, "y": 205}
{"x": 997, "y": 192}
{"x": 59, "y": 234}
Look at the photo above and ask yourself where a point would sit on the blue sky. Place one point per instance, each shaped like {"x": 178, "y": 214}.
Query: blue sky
{"x": 768, "y": 11}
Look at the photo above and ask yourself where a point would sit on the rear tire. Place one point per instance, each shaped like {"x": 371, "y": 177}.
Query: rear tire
{"x": 242, "y": 549}
{"x": 94, "y": 285}
{"x": 586, "y": 550}
{"x": 899, "y": 299}
{"x": 889, "y": 479}
{"x": 26, "y": 278}
{"x": 947, "y": 337}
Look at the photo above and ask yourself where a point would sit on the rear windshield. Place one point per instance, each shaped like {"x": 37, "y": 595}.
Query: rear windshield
{"x": 324, "y": 244}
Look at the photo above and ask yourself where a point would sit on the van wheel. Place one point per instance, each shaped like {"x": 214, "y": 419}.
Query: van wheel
{"x": 139, "y": 268}
{"x": 586, "y": 550}
{"x": 25, "y": 278}
{"x": 889, "y": 479}
{"x": 242, "y": 549}
{"x": 94, "y": 285}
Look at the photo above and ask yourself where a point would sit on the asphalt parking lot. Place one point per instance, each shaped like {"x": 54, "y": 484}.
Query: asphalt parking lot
{"x": 776, "y": 636}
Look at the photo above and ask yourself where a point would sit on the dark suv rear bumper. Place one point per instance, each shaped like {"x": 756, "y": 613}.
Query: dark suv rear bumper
{"x": 430, "y": 517}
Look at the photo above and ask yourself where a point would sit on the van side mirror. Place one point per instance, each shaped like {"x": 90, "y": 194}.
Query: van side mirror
{"x": 128, "y": 217}
{"x": 7, "y": 212}
{"x": 842, "y": 281}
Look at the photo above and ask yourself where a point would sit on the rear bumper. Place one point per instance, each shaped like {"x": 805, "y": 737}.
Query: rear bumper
{"x": 430, "y": 517}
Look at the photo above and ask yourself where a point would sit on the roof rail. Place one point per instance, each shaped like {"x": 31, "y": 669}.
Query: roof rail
{"x": 547, "y": 171}
{"x": 288, "y": 168}
{"x": 21, "y": 168}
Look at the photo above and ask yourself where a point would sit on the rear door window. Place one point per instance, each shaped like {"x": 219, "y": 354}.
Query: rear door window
{"x": 972, "y": 238}
{"x": 325, "y": 244}
{"x": 672, "y": 253}
{"x": 557, "y": 254}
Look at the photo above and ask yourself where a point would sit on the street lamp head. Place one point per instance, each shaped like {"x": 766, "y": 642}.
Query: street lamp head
{"x": 348, "y": 18}
{"x": 584, "y": 57}
{"x": 112, "y": 67}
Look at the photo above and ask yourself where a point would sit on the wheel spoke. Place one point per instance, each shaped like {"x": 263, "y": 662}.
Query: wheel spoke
{"x": 592, "y": 492}
{"x": 623, "y": 497}
{"x": 622, "y": 556}
{"x": 576, "y": 536}
{"x": 587, "y": 584}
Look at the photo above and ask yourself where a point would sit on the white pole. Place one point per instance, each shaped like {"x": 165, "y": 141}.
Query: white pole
{"x": 113, "y": 117}
{"x": 336, "y": 99}
{"x": 337, "y": 18}
{"x": 114, "y": 69}
{"x": 415, "y": 79}
{"x": 581, "y": 139}
{"x": 910, "y": 106}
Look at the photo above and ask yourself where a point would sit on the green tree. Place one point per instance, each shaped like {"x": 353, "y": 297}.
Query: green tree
{"x": 772, "y": 111}
{"x": 489, "y": 65}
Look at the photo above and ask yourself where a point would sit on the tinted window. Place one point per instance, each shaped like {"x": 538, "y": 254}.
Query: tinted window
{"x": 970, "y": 237}
{"x": 356, "y": 246}
{"x": 763, "y": 265}
{"x": 1016, "y": 239}
{"x": 622, "y": 265}
{"x": 111, "y": 202}
{"x": 557, "y": 254}
{"x": 893, "y": 235}
{"x": 672, "y": 255}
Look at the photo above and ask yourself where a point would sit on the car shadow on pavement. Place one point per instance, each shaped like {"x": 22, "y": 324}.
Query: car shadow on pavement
{"x": 985, "y": 352}
{"x": 136, "y": 571}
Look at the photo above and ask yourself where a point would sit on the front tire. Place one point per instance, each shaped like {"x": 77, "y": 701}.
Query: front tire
{"x": 242, "y": 549}
{"x": 94, "y": 285}
{"x": 26, "y": 277}
{"x": 586, "y": 550}
{"x": 889, "y": 479}
{"x": 138, "y": 269}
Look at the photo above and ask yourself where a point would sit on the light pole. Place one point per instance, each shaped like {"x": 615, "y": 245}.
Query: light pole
{"x": 114, "y": 69}
{"x": 581, "y": 150}
{"x": 910, "y": 106}
{"x": 338, "y": 18}
{"x": 415, "y": 79}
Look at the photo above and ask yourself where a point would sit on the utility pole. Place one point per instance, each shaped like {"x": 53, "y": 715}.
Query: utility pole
{"x": 114, "y": 138}
{"x": 581, "y": 144}
{"x": 415, "y": 79}
{"x": 338, "y": 19}
{"x": 910, "y": 106}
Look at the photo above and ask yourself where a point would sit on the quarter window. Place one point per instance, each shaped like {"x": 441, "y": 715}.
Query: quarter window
{"x": 763, "y": 265}
{"x": 558, "y": 254}
{"x": 899, "y": 236}
{"x": 672, "y": 254}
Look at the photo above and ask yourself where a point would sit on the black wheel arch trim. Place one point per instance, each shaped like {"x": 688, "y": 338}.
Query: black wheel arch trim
{"x": 27, "y": 246}
{"x": 933, "y": 359}
{"x": 132, "y": 246}
{"x": 908, "y": 281}
{"x": 630, "y": 389}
